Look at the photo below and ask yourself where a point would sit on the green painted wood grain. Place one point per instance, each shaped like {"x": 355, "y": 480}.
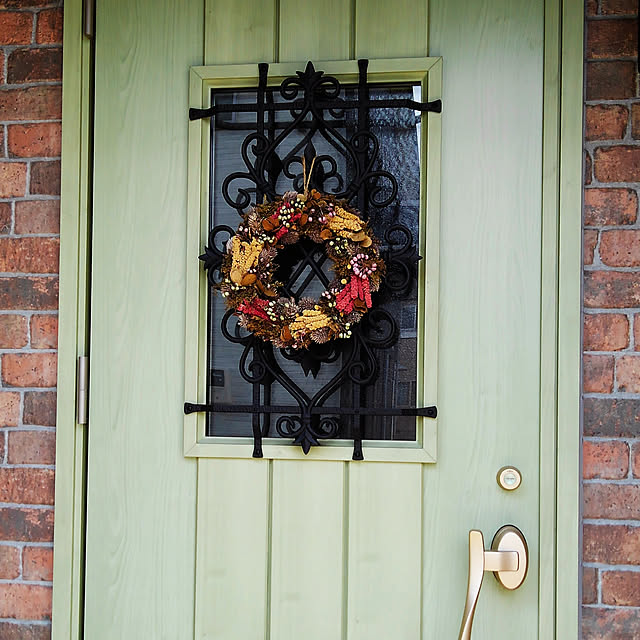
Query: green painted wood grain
{"x": 315, "y": 30}
{"x": 569, "y": 323}
{"x": 232, "y": 549}
{"x": 73, "y": 330}
{"x": 396, "y": 29}
{"x": 492, "y": 363}
{"x": 490, "y": 305}
{"x": 141, "y": 490}
{"x": 240, "y": 31}
{"x": 307, "y": 561}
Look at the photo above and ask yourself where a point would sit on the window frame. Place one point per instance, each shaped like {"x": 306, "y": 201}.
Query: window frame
{"x": 202, "y": 79}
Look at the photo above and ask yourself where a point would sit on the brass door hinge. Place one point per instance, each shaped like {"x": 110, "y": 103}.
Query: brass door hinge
{"x": 82, "y": 391}
{"x": 89, "y": 18}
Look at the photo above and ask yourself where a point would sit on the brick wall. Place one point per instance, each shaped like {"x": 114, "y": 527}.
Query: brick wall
{"x": 30, "y": 112}
{"x": 611, "y": 450}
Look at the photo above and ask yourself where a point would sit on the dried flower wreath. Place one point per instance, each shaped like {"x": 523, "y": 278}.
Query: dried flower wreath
{"x": 250, "y": 264}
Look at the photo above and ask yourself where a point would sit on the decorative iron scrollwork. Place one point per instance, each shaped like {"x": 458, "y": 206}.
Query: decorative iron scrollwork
{"x": 313, "y": 101}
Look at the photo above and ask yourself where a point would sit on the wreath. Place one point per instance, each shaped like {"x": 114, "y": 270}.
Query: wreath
{"x": 249, "y": 271}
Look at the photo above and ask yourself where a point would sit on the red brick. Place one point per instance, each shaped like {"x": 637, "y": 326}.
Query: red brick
{"x": 26, "y": 486}
{"x": 29, "y": 255}
{"x": 40, "y": 408}
{"x": 13, "y": 332}
{"x": 26, "y": 525}
{"x": 605, "y": 122}
{"x": 605, "y": 332}
{"x": 597, "y": 374}
{"x": 617, "y": 164}
{"x": 611, "y": 39}
{"x": 621, "y": 588}
{"x": 611, "y": 80}
{"x": 588, "y": 168}
{"x": 591, "y": 8}
{"x": 37, "y": 563}
{"x": 49, "y": 27}
{"x": 29, "y": 293}
{"x": 628, "y": 374}
{"x": 33, "y": 65}
{"x": 42, "y": 139}
{"x": 44, "y": 332}
{"x": 9, "y": 562}
{"x": 589, "y": 241}
{"x": 31, "y": 447}
{"x": 15, "y": 27}
{"x": 9, "y": 408}
{"x": 25, "y": 601}
{"x": 611, "y": 544}
{"x": 29, "y": 369}
{"x": 611, "y": 289}
{"x": 635, "y": 120}
{"x": 13, "y": 179}
{"x": 1, "y": 67}
{"x": 5, "y": 217}
{"x": 619, "y": 7}
{"x": 636, "y": 332}
{"x": 589, "y": 585}
{"x": 612, "y": 417}
{"x": 620, "y": 248}
{"x": 610, "y": 207}
{"x": 45, "y": 178}
{"x": 635, "y": 460}
{"x": 601, "y": 459}
{"x": 611, "y": 501}
{"x": 23, "y": 4}
{"x": 610, "y": 624}
{"x": 37, "y": 216}
{"x": 31, "y": 103}
{"x": 21, "y": 631}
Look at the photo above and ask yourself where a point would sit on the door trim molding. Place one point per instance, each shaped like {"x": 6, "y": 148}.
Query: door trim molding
{"x": 568, "y": 418}
{"x": 560, "y": 408}
{"x": 73, "y": 332}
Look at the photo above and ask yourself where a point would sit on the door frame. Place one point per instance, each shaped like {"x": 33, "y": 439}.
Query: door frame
{"x": 560, "y": 363}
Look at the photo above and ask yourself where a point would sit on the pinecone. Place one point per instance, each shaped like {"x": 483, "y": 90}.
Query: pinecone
{"x": 321, "y": 335}
{"x": 291, "y": 238}
{"x": 307, "y": 303}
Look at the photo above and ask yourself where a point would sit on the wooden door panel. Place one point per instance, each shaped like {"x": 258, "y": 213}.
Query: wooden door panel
{"x": 140, "y": 536}
{"x": 385, "y": 550}
{"x": 232, "y": 549}
{"x": 307, "y": 549}
{"x": 315, "y": 30}
{"x": 291, "y": 549}
{"x": 240, "y": 31}
{"x": 489, "y": 371}
{"x": 397, "y": 29}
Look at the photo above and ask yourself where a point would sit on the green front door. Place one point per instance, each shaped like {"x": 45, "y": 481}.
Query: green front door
{"x": 239, "y": 548}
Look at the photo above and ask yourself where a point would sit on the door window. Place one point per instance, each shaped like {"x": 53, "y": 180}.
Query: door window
{"x": 397, "y": 371}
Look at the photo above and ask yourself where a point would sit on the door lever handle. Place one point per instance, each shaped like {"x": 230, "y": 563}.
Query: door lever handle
{"x": 508, "y": 559}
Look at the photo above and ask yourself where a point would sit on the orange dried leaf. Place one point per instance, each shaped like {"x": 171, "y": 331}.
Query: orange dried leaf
{"x": 248, "y": 279}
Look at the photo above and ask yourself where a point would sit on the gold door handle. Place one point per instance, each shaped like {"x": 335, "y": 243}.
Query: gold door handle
{"x": 508, "y": 559}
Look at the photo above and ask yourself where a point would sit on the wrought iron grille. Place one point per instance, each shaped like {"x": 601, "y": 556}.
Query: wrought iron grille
{"x": 314, "y": 105}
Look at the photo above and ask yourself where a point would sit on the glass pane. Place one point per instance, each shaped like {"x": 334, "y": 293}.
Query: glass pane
{"x": 398, "y": 132}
